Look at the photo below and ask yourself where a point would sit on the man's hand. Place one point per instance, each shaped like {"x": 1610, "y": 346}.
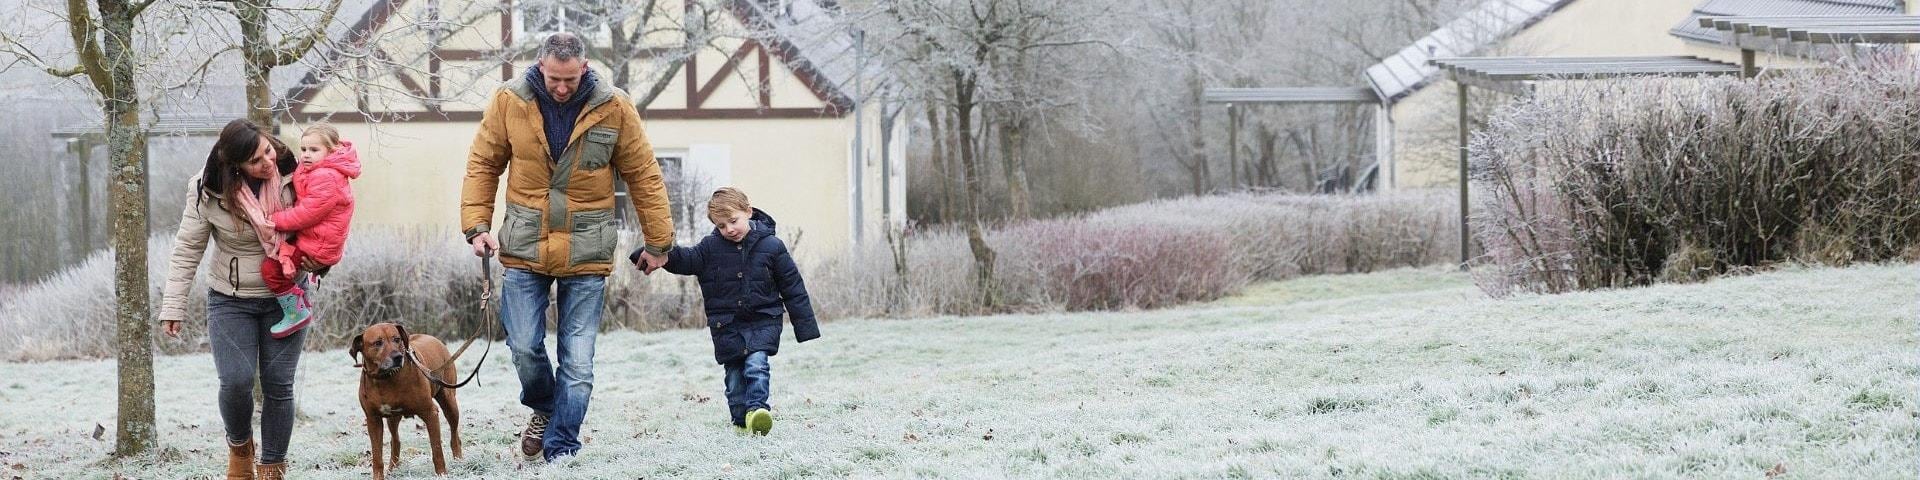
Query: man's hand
{"x": 650, "y": 262}
{"x": 171, "y": 328}
{"x": 484, "y": 245}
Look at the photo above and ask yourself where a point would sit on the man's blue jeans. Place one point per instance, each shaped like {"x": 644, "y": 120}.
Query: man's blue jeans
{"x": 747, "y": 385}
{"x": 561, "y": 394}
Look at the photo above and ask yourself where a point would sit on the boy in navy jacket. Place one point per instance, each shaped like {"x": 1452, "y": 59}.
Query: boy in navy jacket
{"x": 748, "y": 281}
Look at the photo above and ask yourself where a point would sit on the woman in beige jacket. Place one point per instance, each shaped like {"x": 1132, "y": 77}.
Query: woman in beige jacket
{"x": 246, "y": 179}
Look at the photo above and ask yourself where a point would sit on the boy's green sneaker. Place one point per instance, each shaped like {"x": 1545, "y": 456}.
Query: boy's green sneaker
{"x": 760, "y": 421}
{"x": 295, "y": 314}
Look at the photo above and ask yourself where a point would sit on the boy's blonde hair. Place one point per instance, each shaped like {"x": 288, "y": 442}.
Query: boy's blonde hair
{"x": 727, "y": 200}
{"x": 326, "y": 132}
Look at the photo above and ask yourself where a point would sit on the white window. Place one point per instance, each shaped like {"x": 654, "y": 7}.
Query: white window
{"x": 536, "y": 19}
{"x": 690, "y": 176}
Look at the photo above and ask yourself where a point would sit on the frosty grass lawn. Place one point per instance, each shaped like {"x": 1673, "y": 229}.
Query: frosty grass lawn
{"x": 1403, "y": 374}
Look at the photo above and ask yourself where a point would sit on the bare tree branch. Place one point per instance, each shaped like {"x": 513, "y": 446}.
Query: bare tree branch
{"x": 81, "y": 28}
{"x": 292, "y": 48}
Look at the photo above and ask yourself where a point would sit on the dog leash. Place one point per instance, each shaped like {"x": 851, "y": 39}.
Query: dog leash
{"x": 486, "y": 299}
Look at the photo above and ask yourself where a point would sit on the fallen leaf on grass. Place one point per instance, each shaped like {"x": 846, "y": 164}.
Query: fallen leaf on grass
{"x": 1777, "y": 470}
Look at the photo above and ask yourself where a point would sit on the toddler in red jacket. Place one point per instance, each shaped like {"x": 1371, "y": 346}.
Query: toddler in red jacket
{"x": 317, "y": 223}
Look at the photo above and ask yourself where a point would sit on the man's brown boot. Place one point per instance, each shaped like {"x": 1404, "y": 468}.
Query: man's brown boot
{"x": 530, "y": 439}
{"x": 240, "y": 460}
{"x": 273, "y": 471}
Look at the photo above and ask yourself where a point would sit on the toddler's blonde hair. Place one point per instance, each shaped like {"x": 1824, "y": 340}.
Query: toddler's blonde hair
{"x": 326, "y": 132}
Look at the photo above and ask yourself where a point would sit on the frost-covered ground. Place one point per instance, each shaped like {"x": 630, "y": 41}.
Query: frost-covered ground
{"x": 1404, "y": 374}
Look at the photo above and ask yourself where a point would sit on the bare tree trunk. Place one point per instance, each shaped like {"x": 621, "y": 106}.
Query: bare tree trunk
{"x": 937, "y": 140}
{"x": 625, "y": 45}
{"x": 1022, "y": 191}
{"x": 897, "y": 243}
{"x": 259, "y": 63}
{"x": 1011, "y": 136}
{"x": 1308, "y": 165}
{"x": 1269, "y": 165}
{"x": 87, "y": 230}
{"x": 1202, "y": 173}
{"x": 80, "y": 203}
{"x": 1233, "y": 146}
{"x": 263, "y": 54}
{"x": 127, "y": 145}
{"x": 983, "y": 255}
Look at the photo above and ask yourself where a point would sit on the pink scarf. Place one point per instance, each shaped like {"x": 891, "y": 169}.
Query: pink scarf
{"x": 259, "y": 210}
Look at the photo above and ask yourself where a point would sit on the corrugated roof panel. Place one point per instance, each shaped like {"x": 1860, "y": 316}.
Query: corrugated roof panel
{"x": 1383, "y": 80}
{"x": 1690, "y": 28}
{"x": 1444, "y": 43}
{"x": 1407, "y": 70}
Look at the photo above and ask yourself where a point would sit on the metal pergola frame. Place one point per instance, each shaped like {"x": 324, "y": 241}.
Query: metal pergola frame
{"x": 82, "y": 138}
{"x": 1510, "y": 74}
{"x": 1755, "y": 33}
{"x": 1235, "y": 98}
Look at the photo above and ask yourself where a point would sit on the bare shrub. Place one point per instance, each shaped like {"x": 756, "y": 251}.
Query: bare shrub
{"x": 8, "y": 291}
{"x": 1608, "y": 184}
{"x": 1145, "y": 255}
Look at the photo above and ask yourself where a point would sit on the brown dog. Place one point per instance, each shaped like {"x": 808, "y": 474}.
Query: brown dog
{"x": 393, "y": 386}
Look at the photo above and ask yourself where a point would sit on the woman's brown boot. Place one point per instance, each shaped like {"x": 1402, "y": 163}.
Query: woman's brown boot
{"x": 273, "y": 471}
{"x": 240, "y": 460}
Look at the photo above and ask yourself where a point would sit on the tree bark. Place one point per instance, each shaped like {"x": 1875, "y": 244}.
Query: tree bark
{"x": 262, "y": 55}
{"x": 983, "y": 255}
{"x": 127, "y": 146}
{"x": 1233, "y": 146}
{"x": 259, "y": 57}
{"x": 937, "y": 140}
{"x": 1012, "y": 136}
{"x": 1196, "y": 90}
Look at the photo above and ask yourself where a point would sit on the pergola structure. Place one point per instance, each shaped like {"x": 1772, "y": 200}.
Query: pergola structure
{"x": 81, "y": 140}
{"x": 1510, "y": 74}
{"x": 1235, "y": 98}
{"x": 1755, "y": 33}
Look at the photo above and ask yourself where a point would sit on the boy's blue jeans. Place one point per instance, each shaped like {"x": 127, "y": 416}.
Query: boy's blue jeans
{"x": 747, "y": 385}
{"x": 562, "y": 393}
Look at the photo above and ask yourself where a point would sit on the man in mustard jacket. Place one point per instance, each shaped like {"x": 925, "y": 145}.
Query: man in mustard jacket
{"x": 562, "y": 137}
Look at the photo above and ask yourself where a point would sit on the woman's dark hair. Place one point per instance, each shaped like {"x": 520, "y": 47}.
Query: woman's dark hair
{"x": 237, "y": 142}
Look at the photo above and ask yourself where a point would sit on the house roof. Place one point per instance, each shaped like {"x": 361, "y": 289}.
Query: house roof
{"x": 352, "y": 15}
{"x": 810, "y": 57}
{"x": 1409, "y": 70}
{"x": 819, "y": 39}
{"x": 1691, "y": 29}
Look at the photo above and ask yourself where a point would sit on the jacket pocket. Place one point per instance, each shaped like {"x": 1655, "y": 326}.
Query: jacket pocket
{"x": 597, "y": 150}
{"x": 520, "y": 238}
{"x": 593, "y": 237}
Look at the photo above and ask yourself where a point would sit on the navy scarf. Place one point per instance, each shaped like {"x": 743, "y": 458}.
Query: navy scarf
{"x": 559, "y": 117}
